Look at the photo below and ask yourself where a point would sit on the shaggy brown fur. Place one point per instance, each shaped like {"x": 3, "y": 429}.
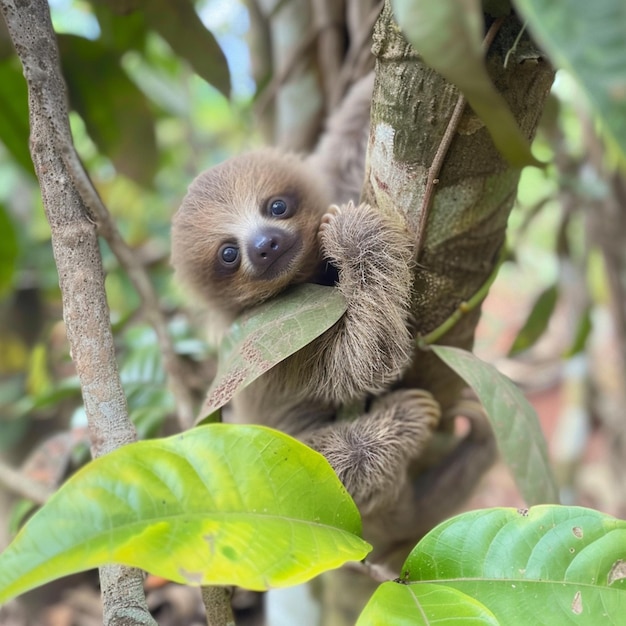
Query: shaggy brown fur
{"x": 360, "y": 356}
{"x": 258, "y": 223}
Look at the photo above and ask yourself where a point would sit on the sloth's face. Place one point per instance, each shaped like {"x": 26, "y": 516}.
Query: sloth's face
{"x": 248, "y": 228}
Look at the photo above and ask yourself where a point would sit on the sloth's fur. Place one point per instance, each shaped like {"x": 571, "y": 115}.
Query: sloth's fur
{"x": 357, "y": 360}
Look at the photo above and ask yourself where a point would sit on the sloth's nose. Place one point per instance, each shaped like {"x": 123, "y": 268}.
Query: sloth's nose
{"x": 267, "y": 248}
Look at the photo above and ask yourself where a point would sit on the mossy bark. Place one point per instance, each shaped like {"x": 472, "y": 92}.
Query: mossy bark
{"x": 476, "y": 188}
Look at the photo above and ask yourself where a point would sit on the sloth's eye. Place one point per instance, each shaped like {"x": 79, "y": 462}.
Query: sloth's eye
{"x": 278, "y": 207}
{"x": 229, "y": 254}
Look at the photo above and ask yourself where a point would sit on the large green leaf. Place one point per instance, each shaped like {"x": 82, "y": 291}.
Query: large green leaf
{"x": 589, "y": 40}
{"x": 396, "y": 604}
{"x": 219, "y": 505}
{"x": 14, "y": 125}
{"x": 270, "y": 333}
{"x": 179, "y": 24}
{"x": 548, "y": 565}
{"x": 514, "y": 422}
{"x": 448, "y": 34}
{"x": 115, "y": 111}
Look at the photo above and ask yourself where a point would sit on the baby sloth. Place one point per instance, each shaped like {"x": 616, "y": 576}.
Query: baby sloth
{"x": 259, "y": 223}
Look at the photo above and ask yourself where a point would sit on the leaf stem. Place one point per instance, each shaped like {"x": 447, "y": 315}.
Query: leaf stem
{"x": 423, "y": 341}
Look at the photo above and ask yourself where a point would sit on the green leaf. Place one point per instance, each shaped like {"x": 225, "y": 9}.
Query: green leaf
{"x": 14, "y": 124}
{"x": 583, "y": 330}
{"x": 422, "y": 605}
{"x": 269, "y": 334}
{"x": 447, "y": 34}
{"x": 547, "y": 565}
{"x": 115, "y": 111}
{"x": 67, "y": 388}
{"x": 588, "y": 40}
{"x": 537, "y": 321}
{"x": 179, "y": 24}
{"x": 8, "y": 250}
{"x": 514, "y": 422}
{"x": 218, "y": 505}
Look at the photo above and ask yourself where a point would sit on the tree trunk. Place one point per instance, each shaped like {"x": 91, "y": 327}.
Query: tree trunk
{"x": 465, "y": 230}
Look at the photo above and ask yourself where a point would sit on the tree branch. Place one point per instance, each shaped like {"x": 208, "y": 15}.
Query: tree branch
{"x": 22, "y": 485}
{"x": 218, "y": 608}
{"x": 97, "y": 211}
{"x": 78, "y": 260}
{"x": 464, "y": 230}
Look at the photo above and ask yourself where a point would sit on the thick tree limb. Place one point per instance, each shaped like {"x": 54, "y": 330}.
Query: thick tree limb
{"x": 475, "y": 189}
{"x": 81, "y": 277}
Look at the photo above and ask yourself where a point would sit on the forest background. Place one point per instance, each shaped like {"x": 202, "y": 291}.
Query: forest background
{"x": 158, "y": 117}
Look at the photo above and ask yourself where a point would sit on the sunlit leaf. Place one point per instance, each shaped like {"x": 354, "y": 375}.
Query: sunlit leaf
{"x": 179, "y": 24}
{"x": 270, "y": 333}
{"x": 68, "y": 388}
{"x": 514, "y": 421}
{"x": 116, "y": 113}
{"x": 218, "y": 505}
{"x": 587, "y": 39}
{"x": 38, "y": 377}
{"x": 447, "y": 34}
{"x": 548, "y": 565}
{"x": 537, "y": 320}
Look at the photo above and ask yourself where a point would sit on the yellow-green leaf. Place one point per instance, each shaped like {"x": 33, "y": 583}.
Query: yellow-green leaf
{"x": 219, "y": 505}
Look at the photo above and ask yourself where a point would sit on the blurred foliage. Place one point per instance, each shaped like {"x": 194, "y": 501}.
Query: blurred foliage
{"x": 148, "y": 110}
{"x": 147, "y": 81}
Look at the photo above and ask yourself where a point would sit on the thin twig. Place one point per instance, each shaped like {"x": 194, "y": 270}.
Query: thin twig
{"x": 442, "y": 150}
{"x": 137, "y": 274}
{"x": 513, "y": 48}
{"x": 22, "y": 485}
{"x": 465, "y": 307}
{"x": 434, "y": 170}
{"x": 376, "y": 571}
